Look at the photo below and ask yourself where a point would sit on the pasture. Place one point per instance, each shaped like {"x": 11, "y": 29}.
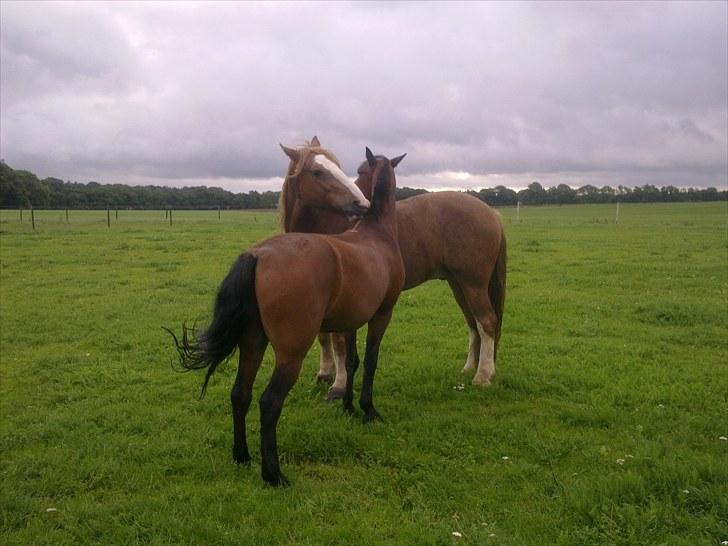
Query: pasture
{"x": 606, "y": 422}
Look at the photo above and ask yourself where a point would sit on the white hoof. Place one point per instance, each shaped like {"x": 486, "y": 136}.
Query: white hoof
{"x": 481, "y": 381}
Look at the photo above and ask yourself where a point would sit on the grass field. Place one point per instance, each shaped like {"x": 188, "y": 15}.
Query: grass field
{"x": 606, "y": 423}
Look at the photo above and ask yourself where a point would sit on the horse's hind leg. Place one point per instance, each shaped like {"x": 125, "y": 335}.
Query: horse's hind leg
{"x": 252, "y": 348}
{"x": 271, "y": 403}
{"x": 474, "y": 344}
{"x": 327, "y": 360}
{"x": 486, "y": 323}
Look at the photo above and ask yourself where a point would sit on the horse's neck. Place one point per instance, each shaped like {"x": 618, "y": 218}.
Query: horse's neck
{"x": 305, "y": 219}
{"x": 382, "y": 213}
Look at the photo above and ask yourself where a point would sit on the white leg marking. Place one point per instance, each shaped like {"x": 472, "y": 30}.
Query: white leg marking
{"x": 486, "y": 366}
{"x": 326, "y": 360}
{"x": 339, "y": 351}
{"x": 472, "y": 362}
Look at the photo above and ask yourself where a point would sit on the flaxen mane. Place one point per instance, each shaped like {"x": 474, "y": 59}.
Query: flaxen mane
{"x": 286, "y": 200}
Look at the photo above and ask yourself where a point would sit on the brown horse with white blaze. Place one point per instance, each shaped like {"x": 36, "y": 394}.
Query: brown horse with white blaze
{"x": 442, "y": 235}
{"x": 285, "y": 290}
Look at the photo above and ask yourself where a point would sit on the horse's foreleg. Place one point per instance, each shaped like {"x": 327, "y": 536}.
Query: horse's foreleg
{"x": 338, "y": 346}
{"x": 271, "y": 403}
{"x": 352, "y": 363}
{"x": 375, "y": 332}
{"x": 327, "y": 360}
{"x": 251, "y": 353}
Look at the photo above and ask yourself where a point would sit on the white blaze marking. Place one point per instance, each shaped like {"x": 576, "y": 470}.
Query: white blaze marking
{"x": 324, "y": 162}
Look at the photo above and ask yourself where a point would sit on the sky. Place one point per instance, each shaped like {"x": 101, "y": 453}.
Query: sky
{"x": 477, "y": 94}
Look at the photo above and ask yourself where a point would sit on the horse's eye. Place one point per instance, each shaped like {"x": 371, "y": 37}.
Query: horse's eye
{"x": 318, "y": 174}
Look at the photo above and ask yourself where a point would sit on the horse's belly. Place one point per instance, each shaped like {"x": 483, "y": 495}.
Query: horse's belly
{"x": 348, "y": 321}
{"x": 351, "y": 312}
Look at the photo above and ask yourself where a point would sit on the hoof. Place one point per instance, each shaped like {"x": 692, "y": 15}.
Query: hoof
{"x": 481, "y": 381}
{"x": 334, "y": 394}
{"x": 241, "y": 457}
{"x": 277, "y": 480}
{"x": 349, "y": 408}
{"x": 324, "y": 378}
{"x": 469, "y": 367}
{"x": 371, "y": 416}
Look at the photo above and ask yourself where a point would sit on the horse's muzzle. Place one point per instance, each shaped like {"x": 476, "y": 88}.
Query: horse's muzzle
{"x": 355, "y": 210}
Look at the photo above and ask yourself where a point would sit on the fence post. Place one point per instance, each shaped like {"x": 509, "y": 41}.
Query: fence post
{"x": 108, "y": 216}
{"x": 218, "y": 212}
{"x": 66, "y": 214}
{"x": 117, "y": 215}
{"x": 32, "y": 216}
{"x": 21, "y": 214}
{"x": 170, "y": 217}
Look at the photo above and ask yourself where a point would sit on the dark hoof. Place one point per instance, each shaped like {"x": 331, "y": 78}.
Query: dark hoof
{"x": 242, "y": 457}
{"x": 335, "y": 394}
{"x": 349, "y": 408}
{"x": 277, "y": 480}
{"x": 324, "y": 378}
{"x": 370, "y": 416}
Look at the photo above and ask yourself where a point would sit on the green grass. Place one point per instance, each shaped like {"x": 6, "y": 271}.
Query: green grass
{"x": 603, "y": 424}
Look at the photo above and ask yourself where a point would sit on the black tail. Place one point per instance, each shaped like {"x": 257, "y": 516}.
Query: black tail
{"x": 497, "y": 289}
{"x": 235, "y": 304}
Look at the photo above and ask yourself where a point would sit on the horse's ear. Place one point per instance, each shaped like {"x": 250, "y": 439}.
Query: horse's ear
{"x": 290, "y": 152}
{"x": 370, "y": 158}
{"x": 394, "y": 162}
{"x": 315, "y": 141}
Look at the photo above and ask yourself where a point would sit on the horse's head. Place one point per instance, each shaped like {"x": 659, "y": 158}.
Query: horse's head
{"x": 376, "y": 176}
{"x": 316, "y": 180}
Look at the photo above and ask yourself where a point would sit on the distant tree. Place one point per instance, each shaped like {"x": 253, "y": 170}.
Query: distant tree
{"x": 500, "y": 196}
{"x": 606, "y": 194}
{"x": 11, "y": 194}
{"x": 535, "y": 194}
{"x": 561, "y": 194}
{"x": 587, "y": 194}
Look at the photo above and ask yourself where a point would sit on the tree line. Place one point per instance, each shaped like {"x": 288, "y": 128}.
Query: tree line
{"x": 23, "y": 189}
{"x": 536, "y": 194}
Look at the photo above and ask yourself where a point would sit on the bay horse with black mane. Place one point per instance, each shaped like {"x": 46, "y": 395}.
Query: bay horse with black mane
{"x": 442, "y": 235}
{"x": 287, "y": 289}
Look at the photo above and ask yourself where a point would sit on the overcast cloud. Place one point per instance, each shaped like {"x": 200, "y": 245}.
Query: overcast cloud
{"x": 477, "y": 94}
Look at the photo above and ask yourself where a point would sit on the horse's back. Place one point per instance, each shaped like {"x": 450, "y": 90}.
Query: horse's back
{"x": 442, "y": 234}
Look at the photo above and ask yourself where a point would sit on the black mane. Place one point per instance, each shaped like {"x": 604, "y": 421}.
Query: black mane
{"x": 381, "y": 190}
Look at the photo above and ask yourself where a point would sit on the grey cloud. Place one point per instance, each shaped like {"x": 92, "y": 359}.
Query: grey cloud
{"x": 200, "y": 91}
